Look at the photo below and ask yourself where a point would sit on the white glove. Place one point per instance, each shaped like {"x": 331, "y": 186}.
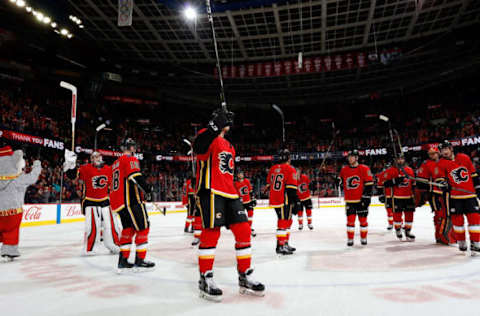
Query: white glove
{"x": 70, "y": 160}
{"x": 37, "y": 163}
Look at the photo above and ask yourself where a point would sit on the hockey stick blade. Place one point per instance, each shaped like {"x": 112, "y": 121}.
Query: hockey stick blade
{"x": 279, "y": 110}
{"x": 383, "y": 118}
{"x": 186, "y": 141}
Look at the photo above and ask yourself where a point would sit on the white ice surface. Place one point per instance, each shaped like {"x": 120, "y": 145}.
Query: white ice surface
{"x": 387, "y": 277}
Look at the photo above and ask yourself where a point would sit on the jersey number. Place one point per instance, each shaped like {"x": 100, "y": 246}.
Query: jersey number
{"x": 278, "y": 181}
{"x": 116, "y": 180}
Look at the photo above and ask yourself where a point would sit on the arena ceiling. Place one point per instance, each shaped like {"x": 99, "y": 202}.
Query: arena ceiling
{"x": 164, "y": 50}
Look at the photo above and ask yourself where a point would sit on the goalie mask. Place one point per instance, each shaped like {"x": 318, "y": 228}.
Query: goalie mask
{"x": 96, "y": 159}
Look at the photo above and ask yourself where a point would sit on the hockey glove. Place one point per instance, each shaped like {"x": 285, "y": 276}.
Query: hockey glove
{"x": 70, "y": 160}
{"x": 381, "y": 198}
{"x": 253, "y": 203}
{"x": 445, "y": 186}
{"x": 220, "y": 119}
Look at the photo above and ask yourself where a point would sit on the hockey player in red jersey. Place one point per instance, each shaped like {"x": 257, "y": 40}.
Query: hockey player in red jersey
{"x": 244, "y": 189}
{"x": 462, "y": 186}
{"x": 220, "y": 206}
{"x": 187, "y": 190}
{"x": 95, "y": 179}
{"x": 303, "y": 192}
{"x": 128, "y": 186}
{"x": 282, "y": 183}
{"x": 357, "y": 182}
{"x": 386, "y": 197}
{"x": 429, "y": 171}
{"x": 403, "y": 196}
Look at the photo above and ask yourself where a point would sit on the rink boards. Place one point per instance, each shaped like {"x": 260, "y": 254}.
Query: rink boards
{"x": 53, "y": 214}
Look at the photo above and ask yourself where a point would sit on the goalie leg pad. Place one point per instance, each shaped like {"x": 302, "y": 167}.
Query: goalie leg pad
{"x": 111, "y": 238}
{"x": 92, "y": 228}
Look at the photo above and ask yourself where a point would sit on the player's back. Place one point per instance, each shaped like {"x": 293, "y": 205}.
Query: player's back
{"x": 280, "y": 177}
{"x": 124, "y": 167}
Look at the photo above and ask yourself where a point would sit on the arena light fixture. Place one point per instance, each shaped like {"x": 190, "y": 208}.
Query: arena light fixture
{"x": 29, "y": 9}
{"x": 13, "y": 1}
{"x": 20, "y": 3}
{"x": 64, "y": 32}
{"x": 81, "y": 26}
{"x": 53, "y": 24}
{"x": 47, "y": 20}
{"x": 39, "y": 16}
{"x": 190, "y": 13}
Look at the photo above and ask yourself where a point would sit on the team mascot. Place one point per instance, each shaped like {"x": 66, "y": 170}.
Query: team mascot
{"x": 13, "y": 184}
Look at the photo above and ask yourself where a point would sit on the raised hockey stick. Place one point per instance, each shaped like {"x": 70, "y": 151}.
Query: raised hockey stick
{"x": 334, "y": 137}
{"x": 73, "y": 90}
{"x": 223, "y": 100}
{"x": 190, "y": 152}
{"x": 393, "y": 131}
{"x": 282, "y": 116}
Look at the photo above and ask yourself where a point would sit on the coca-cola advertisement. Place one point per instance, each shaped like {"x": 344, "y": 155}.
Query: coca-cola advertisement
{"x": 39, "y": 214}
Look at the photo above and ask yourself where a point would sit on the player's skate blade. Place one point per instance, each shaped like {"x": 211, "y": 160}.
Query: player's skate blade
{"x": 124, "y": 266}
{"x": 310, "y": 226}
{"x": 399, "y": 234}
{"x": 142, "y": 265}
{"x": 208, "y": 288}
{"x": 249, "y": 286}
{"x": 364, "y": 241}
{"x": 300, "y": 227}
{"x": 389, "y": 227}
{"x": 254, "y": 233}
{"x": 6, "y": 258}
{"x": 350, "y": 243}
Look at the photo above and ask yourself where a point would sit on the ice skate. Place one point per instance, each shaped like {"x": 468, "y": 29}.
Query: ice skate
{"x": 123, "y": 265}
{"x": 409, "y": 236}
{"x": 310, "y": 226}
{"x": 250, "y": 286}
{"x": 350, "y": 243}
{"x": 462, "y": 245}
{"x": 254, "y": 234}
{"x": 142, "y": 265}
{"x": 292, "y": 249}
{"x": 390, "y": 227}
{"x": 208, "y": 288}
{"x": 475, "y": 249}
{"x": 399, "y": 234}
{"x": 300, "y": 227}
{"x": 195, "y": 242}
{"x": 364, "y": 241}
{"x": 283, "y": 250}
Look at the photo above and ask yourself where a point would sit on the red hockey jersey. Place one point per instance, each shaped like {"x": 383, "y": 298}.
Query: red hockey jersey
{"x": 96, "y": 182}
{"x": 354, "y": 180}
{"x": 403, "y": 190}
{"x": 187, "y": 191}
{"x": 215, "y": 168}
{"x": 380, "y": 184}
{"x": 429, "y": 170}
{"x": 244, "y": 189}
{"x": 303, "y": 190}
{"x": 280, "y": 177}
{"x": 458, "y": 173}
{"x": 125, "y": 168}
